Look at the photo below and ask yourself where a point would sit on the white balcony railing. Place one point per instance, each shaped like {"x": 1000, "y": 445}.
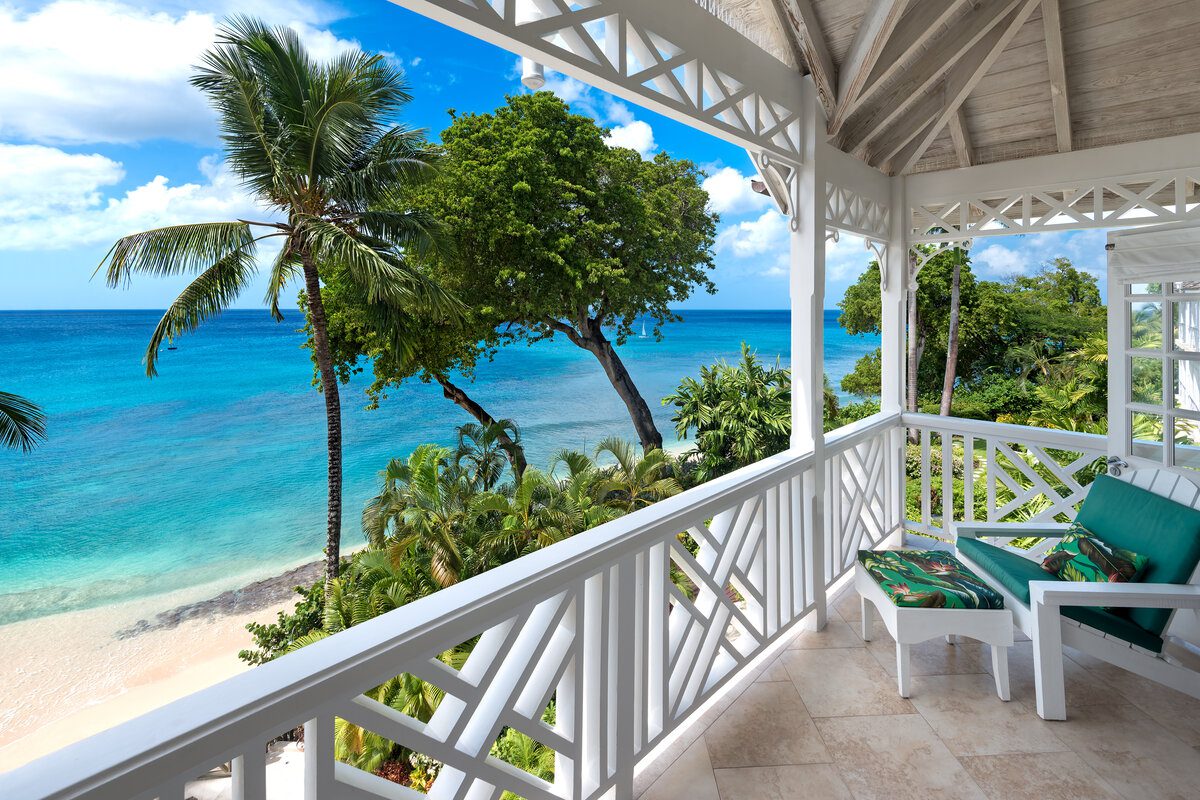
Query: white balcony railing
{"x": 595, "y": 623}
{"x": 1016, "y": 473}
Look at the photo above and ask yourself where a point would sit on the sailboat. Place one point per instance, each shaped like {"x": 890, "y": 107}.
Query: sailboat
{"x": 643, "y": 336}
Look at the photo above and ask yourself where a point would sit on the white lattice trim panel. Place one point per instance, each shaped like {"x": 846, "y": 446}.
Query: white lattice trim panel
{"x": 719, "y": 82}
{"x": 1103, "y": 203}
{"x": 849, "y": 211}
{"x": 864, "y": 501}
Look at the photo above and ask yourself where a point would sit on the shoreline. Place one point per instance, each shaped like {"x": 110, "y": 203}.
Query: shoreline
{"x": 69, "y": 676}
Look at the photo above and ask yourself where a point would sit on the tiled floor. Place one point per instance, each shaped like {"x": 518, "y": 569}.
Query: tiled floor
{"x": 824, "y": 720}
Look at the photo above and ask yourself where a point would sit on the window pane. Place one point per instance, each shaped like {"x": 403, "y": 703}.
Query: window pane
{"x": 1185, "y": 287}
{"x": 1187, "y": 326}
{"x": 1187, "y": 384}
{"x": 1144, "y": 288}
{"x": 1147, "y": 435}
{"x": 1145, "y": 325}
{"x": 1187, "y": 443}
{"x": 1145, "y": 384}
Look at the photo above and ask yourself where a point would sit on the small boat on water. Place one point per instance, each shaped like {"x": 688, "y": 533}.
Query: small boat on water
{"x": 643, "y": 336}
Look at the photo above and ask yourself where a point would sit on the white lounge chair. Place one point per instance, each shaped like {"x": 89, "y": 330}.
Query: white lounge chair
{"x": 1151, "y": 512}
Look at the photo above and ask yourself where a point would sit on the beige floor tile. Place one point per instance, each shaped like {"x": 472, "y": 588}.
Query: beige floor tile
{"x": 837, "y": 633}
{"x": 843, "y": 682}
{"x": 897, "y": 756}
{"x": 1176, "y": 711}
{"x": 848, "y": 607}
{"x": 690, "y": 777}
{"x": 767, "y": 726}
{"x": 817, "y": 781}
{"x": 773, "y": 672}
{"x": 973, "y": 721}
{"x": 934, "y": 657}
{"x": 1037, "y": 776}
{"x": 1083, "y": 687}
{"x": 1138, "y": 757}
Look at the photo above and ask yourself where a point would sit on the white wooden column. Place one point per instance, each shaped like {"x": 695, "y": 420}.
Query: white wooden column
{"x": 808, "y": 334}
{"x": 894, "y": 286}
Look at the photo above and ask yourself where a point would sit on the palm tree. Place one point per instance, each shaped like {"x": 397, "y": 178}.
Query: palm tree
{"x": 633, "y": 482}
{"x": 318, "y": 146}
{"x": 486, "y": 450}
{"x": 584, "y": 484}
{"x": 530, "y": 515}
{"x": 424, "y": 502}
{"x": 22, "y": 423}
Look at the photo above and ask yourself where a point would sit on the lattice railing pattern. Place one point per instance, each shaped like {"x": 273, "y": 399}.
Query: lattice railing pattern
{"x": 863, "y": 498}
{"x": 849, "y": 211}
{"x": 988, "y": 472}
{"x": 611, "y": 44}
{"x": 1105, "y": 203}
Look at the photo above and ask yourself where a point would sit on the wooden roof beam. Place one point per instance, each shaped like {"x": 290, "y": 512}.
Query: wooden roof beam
{"x": 873, "y": 34}
{"x": 919, "y": 78}
{"x": 961, "y": 138}
{"x": 799, "y": 22}
{"x": 909, "y": 139}
{"x": 1058, "y": 74}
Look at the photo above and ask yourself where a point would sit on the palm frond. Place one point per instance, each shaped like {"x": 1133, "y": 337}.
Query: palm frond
{"x": 174, "y": 250}
{"x": 208, "y": 295}
{"x": 22, "y": 423}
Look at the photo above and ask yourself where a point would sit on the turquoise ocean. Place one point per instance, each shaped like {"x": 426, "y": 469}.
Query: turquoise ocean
{"x": 214, "y": 471}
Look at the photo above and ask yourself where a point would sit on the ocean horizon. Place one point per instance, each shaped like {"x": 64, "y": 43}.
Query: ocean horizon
{"x": 214, "y": 472}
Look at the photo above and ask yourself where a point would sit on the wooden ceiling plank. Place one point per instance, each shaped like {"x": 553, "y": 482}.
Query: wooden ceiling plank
{"x": 961, "y": 137}
{"x": 960, "y": 81}
{"x": 872, "y": 119}
{"x": 873, "y": 34}
{"x": 799, "y": 21}
{"x": 1052, "y": 19}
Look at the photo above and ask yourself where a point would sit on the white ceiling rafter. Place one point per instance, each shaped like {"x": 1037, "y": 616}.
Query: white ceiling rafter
{"x": 671, "y": 56}
{"x": 956, "y": 86}
{"x": 961, "y": 138}
{"x": 914, "y": 84}
{"x": 1056, "y": 61}
{"x": 873, "y": 36}
{"x": 799, "y": 21}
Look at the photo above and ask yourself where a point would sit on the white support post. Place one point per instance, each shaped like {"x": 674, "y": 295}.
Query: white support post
{"x": 895, "y": 277}
{"x": 318, "y": 757}
{"x": 808, "y": 334}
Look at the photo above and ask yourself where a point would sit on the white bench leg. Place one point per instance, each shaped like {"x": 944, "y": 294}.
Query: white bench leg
{"x": 950, "y": 639}
{"x": 868, "y": 619}
{"x": 1000, "y": 670}
{"x": 902, "y": 669}
{"x": 1048, "y": 662}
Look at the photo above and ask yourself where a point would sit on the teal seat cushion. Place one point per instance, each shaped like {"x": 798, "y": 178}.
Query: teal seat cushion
{"x": 1014, "y": 573}
{"x": 1166, "y": 532}
{"x": 928, "y": 579}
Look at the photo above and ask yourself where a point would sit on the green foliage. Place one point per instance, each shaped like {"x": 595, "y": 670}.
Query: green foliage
{"x": 737, "y": 413}
{"x": 274, "y": 639}
{"x": 866, "y": 377}
{"x": 22, "y": 423}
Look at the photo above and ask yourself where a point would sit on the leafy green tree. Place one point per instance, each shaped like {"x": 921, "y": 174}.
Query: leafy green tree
{"x": 583, "y": 482}
{"x": 22, "y": 423}
{"x": 531, "y": 514}
{"x": 318, "y": 144}
{"x": 485, "y": 451}
{"x": 634, "y": 481}
{"x": 558, "y": 234}
{"x": 737, "y": 413}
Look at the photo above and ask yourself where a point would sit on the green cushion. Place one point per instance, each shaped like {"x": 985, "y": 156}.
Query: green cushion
{"x": 1164, "y": 531}
{"x": 1014, "y": 573}
{"x": 928, "y": 579}
{"x": 1083, "y": 557}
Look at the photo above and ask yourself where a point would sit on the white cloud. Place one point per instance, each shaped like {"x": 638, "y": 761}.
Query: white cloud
{"x": 637, "y": 135}
{"x": 81, "y": 71}
{"x": 1025, "y": 255}
{"x": 729, "y": 192}
{"x": 81, "y": 216}
{"x": 38, "y": 181}
{"x": 767, "y": 233}
{"x": 999, "y": 260}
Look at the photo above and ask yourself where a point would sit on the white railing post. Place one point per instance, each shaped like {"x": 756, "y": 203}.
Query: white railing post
{"x": 894, "y": 288}
{"x": 249, "y": 772}
{"x": 624, "y": 683}
{"x": 318, "y": 758}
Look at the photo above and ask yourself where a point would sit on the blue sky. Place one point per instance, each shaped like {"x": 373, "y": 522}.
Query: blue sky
{"x": 101, "y": 136}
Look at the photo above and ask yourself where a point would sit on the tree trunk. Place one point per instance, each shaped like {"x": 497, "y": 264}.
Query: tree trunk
{"x": 333, "y": 416}
{"x": 596, "y": 343}
{"x": 516, "y": 453}
{"x": 916, "y": 347}
{"x": 952, "y": 338}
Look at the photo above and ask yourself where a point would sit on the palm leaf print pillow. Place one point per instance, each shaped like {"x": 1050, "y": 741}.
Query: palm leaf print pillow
{"x": 1084, "y": 558}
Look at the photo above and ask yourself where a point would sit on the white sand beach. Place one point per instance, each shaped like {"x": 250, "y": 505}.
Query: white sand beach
{"x": 69, "y": 676}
